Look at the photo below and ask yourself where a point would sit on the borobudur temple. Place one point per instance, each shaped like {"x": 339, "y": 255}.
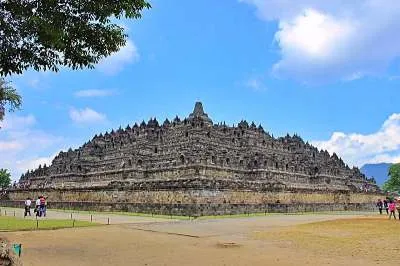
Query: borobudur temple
{"x": 194, "y": 161}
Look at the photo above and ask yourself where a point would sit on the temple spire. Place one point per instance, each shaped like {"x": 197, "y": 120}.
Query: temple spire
{"x": 198, "y": 113}
{"x": 198, "y": 109}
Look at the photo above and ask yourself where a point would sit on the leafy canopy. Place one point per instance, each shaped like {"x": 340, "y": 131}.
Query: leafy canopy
{"x": 393, "y": 183}
{"x": 8, "y": 97}
{"x": 47, "y": 34}
{"x": 5, "y": 178}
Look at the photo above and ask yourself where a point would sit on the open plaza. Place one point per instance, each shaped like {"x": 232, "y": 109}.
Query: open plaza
{"x": 336, "y": 238}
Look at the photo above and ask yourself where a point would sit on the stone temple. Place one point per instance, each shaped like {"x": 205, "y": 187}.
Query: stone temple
{"x": 194, "y": 161}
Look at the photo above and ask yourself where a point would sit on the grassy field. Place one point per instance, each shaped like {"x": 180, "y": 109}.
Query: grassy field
{"x": 177, "y": 217}
{"x": 375, "y": 238}
{"x": 18, "y": 224}
{"x": 174, "y": 217}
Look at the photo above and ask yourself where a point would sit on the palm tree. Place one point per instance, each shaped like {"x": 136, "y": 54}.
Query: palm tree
{"x": 8, "y": 97}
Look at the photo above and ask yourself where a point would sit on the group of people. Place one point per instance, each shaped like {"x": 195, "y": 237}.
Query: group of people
{"x": 390, "y": 205}
{"x": 40, "y": 207}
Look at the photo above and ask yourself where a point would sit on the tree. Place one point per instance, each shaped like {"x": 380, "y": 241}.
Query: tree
{"x": 393, "y": 183}
{"x": 8, "y": 97}
{"x": 5, "y": 178}
{"x": 47, "y": 34}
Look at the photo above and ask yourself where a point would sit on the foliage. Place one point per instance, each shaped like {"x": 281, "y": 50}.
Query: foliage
{"x": 47, "y": 34}
{"x": 393, "y": 183}
{"x": 5, "y": 178}
{"x": 18, "y": 224}
{"x": 8, "y": 97}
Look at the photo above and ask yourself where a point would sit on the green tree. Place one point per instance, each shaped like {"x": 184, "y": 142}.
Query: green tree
{"x": 393, "y": 183}
{"x": 47, "y": 34}
{"x": 5, "y": 178}
{"x": 8, "y": 98}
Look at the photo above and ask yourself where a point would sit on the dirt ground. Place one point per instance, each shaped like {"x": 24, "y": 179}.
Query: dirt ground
{"x": 271, "y": 240}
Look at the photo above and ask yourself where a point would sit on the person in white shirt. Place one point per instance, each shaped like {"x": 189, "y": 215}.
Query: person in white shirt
{"x": 37, "y": 207}
{"x": 28, "y": 203}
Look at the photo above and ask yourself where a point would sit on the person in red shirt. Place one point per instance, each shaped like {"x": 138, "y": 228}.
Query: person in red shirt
{"x": 392, "y": 210}
{"x": 398, "y": 206}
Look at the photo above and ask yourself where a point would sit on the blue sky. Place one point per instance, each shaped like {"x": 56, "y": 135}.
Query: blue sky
{"x": 315, "y": 69}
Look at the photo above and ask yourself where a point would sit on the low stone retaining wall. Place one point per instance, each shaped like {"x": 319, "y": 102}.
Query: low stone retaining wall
{"x": 199, "y": 209}
{"x": 193, "y": 196}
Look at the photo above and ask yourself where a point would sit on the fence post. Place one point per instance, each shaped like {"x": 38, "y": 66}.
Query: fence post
{"x": 108, "y": 221}
{"x": 73, "y": 223}
{"x": 37, "y": 223}
{"x": 14, "y": 213}
{"x": 5, "y": 212}
{"x": 71, "y": 215}
{"x": 91, "y": 218}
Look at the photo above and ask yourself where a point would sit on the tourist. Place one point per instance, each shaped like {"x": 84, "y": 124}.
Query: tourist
{"x": 37, "y": 207}
{"x": 386, "y": 206}
{"x": 398, "y": 206}
{"x": 28, "y": 203}
{"x": 379, "y": 204}
{"x": 392, "y": 209}
{"x": 43, "y": 206}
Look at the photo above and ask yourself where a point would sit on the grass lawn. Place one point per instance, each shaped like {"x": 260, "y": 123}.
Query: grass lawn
{"x": 242, "y": 215}
{"x": 174, "y": 217}
{"x": 19, "y": 224}
{"x": 177, "y": 217}
{"x": 375, "y": 238}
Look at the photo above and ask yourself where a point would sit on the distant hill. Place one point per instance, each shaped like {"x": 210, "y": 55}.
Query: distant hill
{"x": 379, "y": 171}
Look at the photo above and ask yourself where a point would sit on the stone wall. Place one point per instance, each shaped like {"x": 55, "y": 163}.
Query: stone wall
{"x": 193, "y": 196}
{"x": 196, "y": 210}
{"x": 196, "y": 202}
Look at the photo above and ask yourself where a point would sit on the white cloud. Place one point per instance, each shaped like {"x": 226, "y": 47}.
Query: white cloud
{"x": 93, "y": 93}
{"x": 86, "y": 116}
{"x": 358, "y": 149}
{"x": 22, "y": 145}
{"x": 330, "y": 40}
{"x": 12, "y": 145}
{"x": 34, "y": 82}
{"x": 385, "y": 158}
{"x": 117, "y": 61}
{"x": 16, "y": 122}
{"x": 255, "y": 84}
{"x": 33, "y": 163}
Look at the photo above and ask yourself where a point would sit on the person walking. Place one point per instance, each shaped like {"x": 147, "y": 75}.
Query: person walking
{"x": 379, "y": 204}
{"x": 392, "y": 209}
{"x": 28, "y": 203}
{"x": 43, "y": 206}
{"x": 386, "y": 206}
{"x": 398, "y": 206}
{"x": 37, "y": 207}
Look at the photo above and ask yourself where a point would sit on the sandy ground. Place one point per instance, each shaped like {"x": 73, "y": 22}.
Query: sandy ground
{"x": 269, "y": 240}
